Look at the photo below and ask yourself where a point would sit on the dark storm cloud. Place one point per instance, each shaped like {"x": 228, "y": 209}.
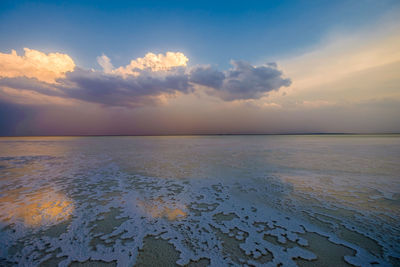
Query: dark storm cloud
{"x": 207, "y": 76}
{"x": 107, "y": 89}
{"x": 31, "y": 84}
{"x": 115, "y": 90}
{"x": 243, "y": 81}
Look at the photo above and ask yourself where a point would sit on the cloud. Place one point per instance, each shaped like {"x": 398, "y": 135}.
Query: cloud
{"x": 148, "y": 80}
{"x": 144, "y": 81}
{"x": 31, "y": 84}
{"x": 152, "y": 62}
{"x": 207, "y": 76}
{"x": 35, "y": 64}
{"x": 243, "y": 81}
{"x": 105, "y": 63}
{"x": 114, "y": 90}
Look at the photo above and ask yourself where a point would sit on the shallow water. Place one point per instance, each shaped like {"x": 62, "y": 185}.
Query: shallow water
{"x": 200, "y": 200}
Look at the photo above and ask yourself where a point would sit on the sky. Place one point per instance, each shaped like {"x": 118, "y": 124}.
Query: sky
{"x": 206, "y": 67}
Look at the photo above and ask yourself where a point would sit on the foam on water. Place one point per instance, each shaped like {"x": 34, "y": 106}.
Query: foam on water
{"x": 198, "y": 203}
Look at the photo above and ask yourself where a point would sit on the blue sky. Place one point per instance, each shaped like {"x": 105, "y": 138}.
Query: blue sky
{"x": 209, "y": 32}
{"x": 208, "y": 67}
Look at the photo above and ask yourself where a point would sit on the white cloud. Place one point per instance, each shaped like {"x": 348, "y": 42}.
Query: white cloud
{"x": 105, "y": 63}
{"x": 35, "y": 64}
{"x": 153, "y": 62}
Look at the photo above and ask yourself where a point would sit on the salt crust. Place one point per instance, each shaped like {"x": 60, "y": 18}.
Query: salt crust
{"x": 182, "y": 211}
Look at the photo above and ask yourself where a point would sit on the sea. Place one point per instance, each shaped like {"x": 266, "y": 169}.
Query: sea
{"x": 223, "y": 200}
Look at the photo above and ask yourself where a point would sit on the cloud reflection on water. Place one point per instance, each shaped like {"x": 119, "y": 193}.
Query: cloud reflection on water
{"x": 42, "y": 207}
{"x": 158, "y": 208}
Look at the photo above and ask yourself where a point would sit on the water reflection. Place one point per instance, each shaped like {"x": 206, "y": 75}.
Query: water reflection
{"x": 34, "y": 209}
{"x": 158, "y": 208}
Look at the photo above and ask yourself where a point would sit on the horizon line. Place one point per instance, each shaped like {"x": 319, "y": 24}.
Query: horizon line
{"x": 219, "y": 134}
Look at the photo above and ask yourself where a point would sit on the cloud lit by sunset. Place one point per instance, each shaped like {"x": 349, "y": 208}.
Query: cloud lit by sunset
{"x": 35, "y": 64}
{"x": 341, "y": 72}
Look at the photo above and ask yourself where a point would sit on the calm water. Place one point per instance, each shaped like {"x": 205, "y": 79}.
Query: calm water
{"x": 206, "y": 200}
